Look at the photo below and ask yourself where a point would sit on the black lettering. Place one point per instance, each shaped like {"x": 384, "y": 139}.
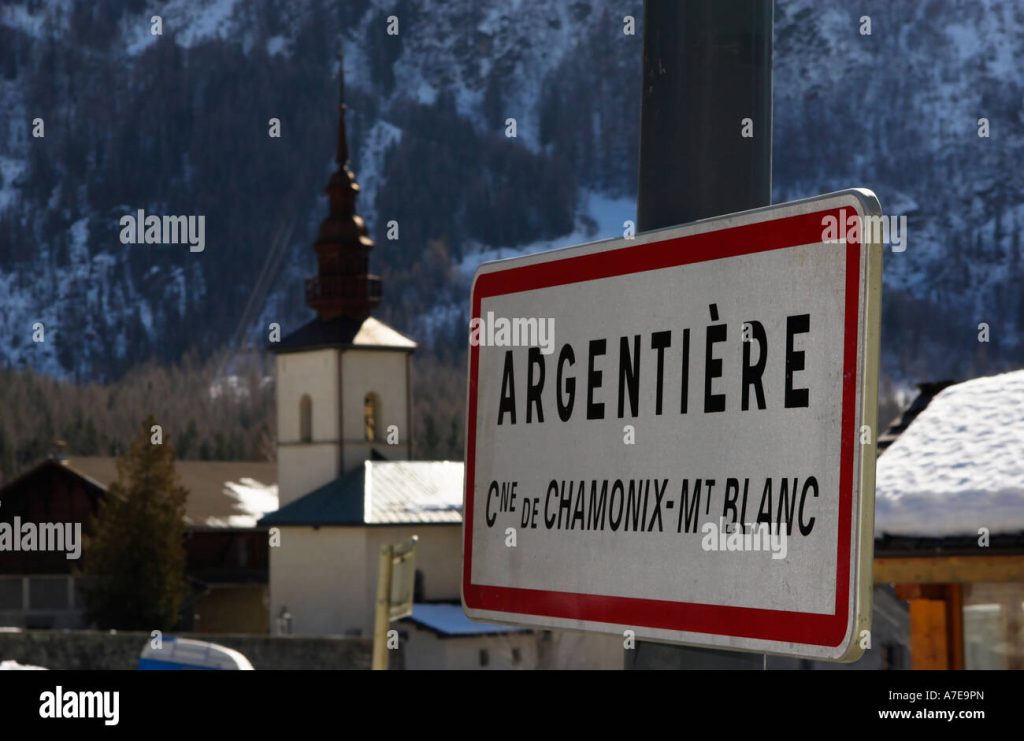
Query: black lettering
{"x": 577, "y": 512}
{"x": 595, "y": 410}
{"x": 507, "y": 404}
{"x": 492, "y": 490}
{"x": 659, "y": 341}
{"x": 629, "y": 374}
{"x": 803, "y": 495}
{"x": 564, "y": 504}
{"x": 713, "y": 368}
{"x": 690, "y": 508}
{"x": 786, "y": 507}
{"x": 752, "y": 372}
{"x": 534, "y": 388}
{"x": 597, "y": 506}
{"x": 633, "y": 505}
{"x": 659, "y": 494}
{"x": 549, "y": 522}
{"x": 797, "y": 324}
{"x": 685, "y": 384}
{"x": 733, "y": 486}
{"x": 765, "y": 515}
{"x": 568, "y": 385}
{"x": 612, "y": 519}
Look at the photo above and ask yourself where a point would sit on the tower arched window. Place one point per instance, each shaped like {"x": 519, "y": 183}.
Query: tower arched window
{"x": 370, "y": 411}
{"x": 306, "y": 419}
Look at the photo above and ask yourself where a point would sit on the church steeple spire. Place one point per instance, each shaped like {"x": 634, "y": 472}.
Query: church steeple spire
{"x": 343, "y": 286}
{"x": 341, "y": 156}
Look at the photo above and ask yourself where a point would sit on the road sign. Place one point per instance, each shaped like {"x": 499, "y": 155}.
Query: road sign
{"x": 396, "y": 577}
{"x": 672, "y": 437}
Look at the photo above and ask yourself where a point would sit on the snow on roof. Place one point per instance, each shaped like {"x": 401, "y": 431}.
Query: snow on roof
{"x": 413, "y": 492}
{"x": 381, "y": 493}
{"x": 252, "y": 500}
{"x": 959, "y": 466}
{"x": 374, "y": 332}
{"x": 221, "y": 493}
{"x": 345, "y": 333}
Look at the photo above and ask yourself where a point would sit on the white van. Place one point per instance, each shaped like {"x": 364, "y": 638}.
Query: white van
{"x": 184, "y": 653}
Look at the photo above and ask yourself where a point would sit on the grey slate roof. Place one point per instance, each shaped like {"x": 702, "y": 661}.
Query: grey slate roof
{"x": 381, "y": 493}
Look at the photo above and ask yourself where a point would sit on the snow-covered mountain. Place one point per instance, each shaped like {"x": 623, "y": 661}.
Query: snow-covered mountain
{"x": 178, "y": 123}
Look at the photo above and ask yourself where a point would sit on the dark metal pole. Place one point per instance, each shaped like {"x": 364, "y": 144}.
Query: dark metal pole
{"x": 707, "y": 67}
{"x": 705, "y": 150}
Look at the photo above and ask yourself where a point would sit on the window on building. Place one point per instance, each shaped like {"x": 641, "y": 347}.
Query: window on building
{"x": 48, "y": 593}
{"x": 370, "y": 407}
{"x": 485, "y": 658}
{"x": 892, "y": 656}
{"x": 993, "y": 625}
{"x": 419, "y": 589}
{"x": 10, "y": 593}
{"x": 306, "y": 419}
{"x": 81, "y": 586}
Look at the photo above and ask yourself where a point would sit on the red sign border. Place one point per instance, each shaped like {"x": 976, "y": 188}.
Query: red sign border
{"x": 753, "y": 623}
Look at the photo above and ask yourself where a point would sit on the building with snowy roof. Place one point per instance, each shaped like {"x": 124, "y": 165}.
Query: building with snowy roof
{"x": 949, "y": 523}
{"x": 226, "y": 553}
{"x": 347, "y": 486}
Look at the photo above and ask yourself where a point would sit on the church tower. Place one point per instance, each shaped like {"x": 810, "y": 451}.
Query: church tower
{"x": 343, "y": 286}
{"x": 343, "y": 393}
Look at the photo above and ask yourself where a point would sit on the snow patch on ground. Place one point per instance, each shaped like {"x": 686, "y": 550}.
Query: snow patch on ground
{"x": 381, "y": 138}
{"x": 79, "y": 245}
{"x": 32, "y": 18}
{"x": 191, "y": 22}
{"x": 277, "y": 45}
{"x": 599, "y": 217}
{"x": 11, "y": 170}
{"x": 15, "y": 666}
{"x": 959, "y": 466}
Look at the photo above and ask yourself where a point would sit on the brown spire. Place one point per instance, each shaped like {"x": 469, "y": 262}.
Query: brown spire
{"x": 343, "y": 286}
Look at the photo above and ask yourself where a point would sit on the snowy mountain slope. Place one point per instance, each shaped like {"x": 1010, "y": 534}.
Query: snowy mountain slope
{"x": 178, "y": 124}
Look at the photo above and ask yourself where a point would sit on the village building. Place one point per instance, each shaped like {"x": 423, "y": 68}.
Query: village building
{"x": 226, "y": 554}
{"x": 949, "y": 522}
{"x": 291, "y": 547}
{"x": 347, "y": 485}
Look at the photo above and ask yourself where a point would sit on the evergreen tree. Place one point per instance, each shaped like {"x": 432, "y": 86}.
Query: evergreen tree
{"x": 135, "y": 560}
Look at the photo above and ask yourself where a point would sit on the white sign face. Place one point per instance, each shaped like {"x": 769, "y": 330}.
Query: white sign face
{"x": 403, "y": 579}
{"x": 672, "y": 437}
